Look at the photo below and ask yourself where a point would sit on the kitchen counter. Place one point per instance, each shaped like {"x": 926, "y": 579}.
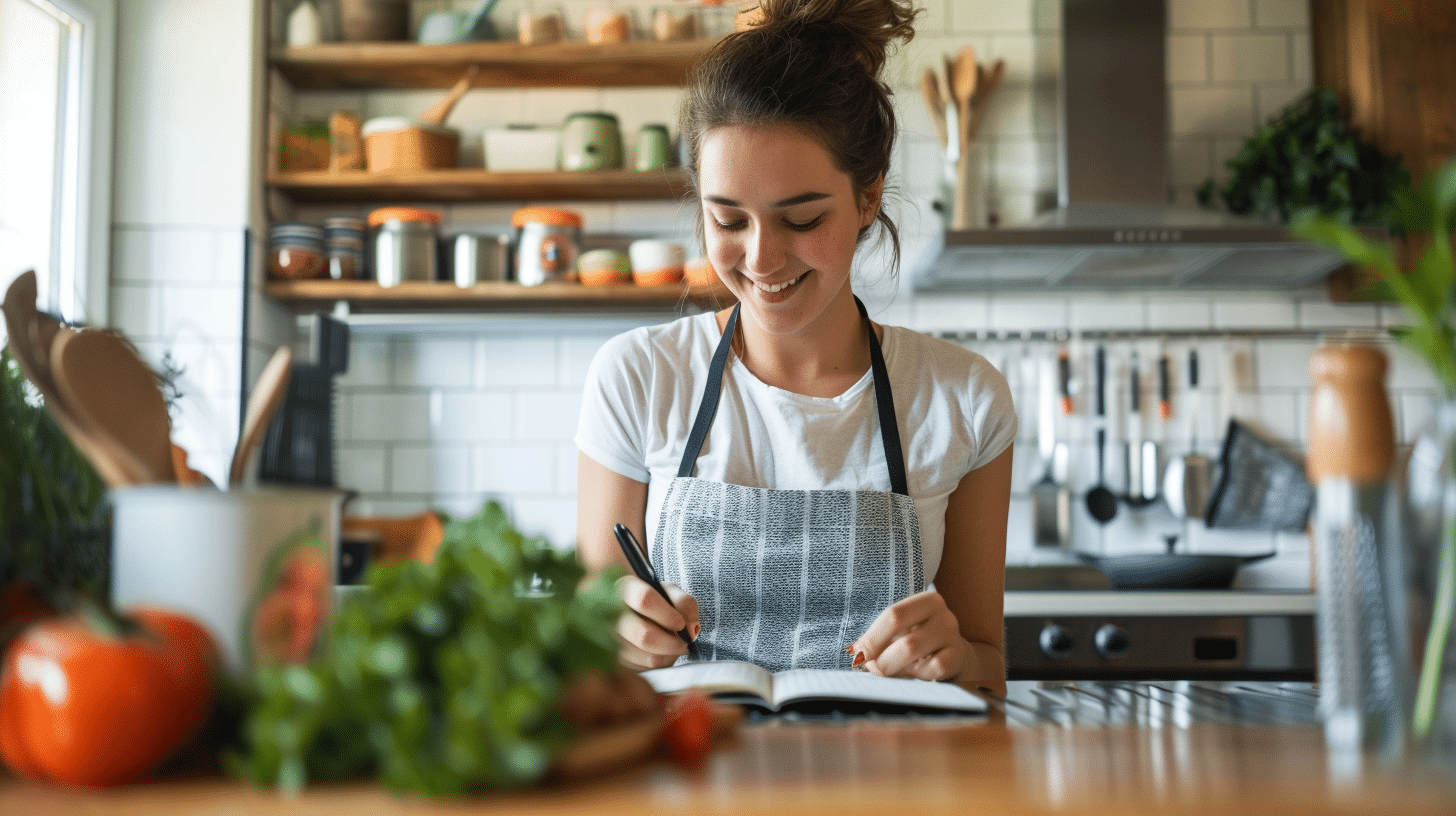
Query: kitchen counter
{"x": 1088, "y": 748}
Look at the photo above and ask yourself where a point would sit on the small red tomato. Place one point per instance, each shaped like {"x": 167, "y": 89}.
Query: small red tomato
{"x": 86, "y": 702}
{"x": 688, "y": 733}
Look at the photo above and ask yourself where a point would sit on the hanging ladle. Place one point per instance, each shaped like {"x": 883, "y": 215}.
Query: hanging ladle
{"x": 1101, "y": 501}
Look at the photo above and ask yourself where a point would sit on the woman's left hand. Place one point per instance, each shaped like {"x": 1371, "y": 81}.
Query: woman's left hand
{"x": 918, "y": 637}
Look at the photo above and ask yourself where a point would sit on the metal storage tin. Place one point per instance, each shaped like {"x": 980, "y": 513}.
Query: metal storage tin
{"x": 480, "y": 258}
{"x": 404, "y": 245}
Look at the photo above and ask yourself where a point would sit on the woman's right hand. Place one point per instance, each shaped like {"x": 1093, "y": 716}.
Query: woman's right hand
{"x": 648, "y": 630}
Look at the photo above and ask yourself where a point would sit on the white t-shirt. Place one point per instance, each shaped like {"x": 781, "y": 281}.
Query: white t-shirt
{"x": 643, "y": 388}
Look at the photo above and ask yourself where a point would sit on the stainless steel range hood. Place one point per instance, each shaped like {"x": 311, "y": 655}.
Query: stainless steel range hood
{"x": 1113, "y": 227}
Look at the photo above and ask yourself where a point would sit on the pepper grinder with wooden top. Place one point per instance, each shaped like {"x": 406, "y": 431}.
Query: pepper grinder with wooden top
{"x": 1356, "y": 552}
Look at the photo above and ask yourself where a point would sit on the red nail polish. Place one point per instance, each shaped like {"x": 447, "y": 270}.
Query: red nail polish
{"x": 859, "y": 660}
{"x": 849, "y": 649}
{"x": 697, "y": 629}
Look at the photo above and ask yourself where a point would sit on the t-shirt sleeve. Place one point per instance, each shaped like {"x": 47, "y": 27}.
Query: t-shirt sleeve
{"x": 614, "y": 407}
{"x": 993, "y": 413}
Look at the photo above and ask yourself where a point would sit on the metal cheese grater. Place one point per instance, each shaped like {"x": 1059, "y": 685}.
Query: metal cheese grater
{"x": 1363, "y": 658}
{"x": 1361, "y": 650}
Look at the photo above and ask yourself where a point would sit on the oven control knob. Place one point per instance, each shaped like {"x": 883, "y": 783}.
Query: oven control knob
{"x": 1056, "y": 642}
{"x": 1111, "y": 641}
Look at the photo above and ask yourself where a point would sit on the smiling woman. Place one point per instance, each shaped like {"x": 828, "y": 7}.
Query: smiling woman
{"x": 816, "y": 489}
{"x": 57, "y": 58}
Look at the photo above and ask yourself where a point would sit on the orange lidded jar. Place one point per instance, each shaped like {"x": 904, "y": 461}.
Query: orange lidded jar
{"x": 548, "y": 241}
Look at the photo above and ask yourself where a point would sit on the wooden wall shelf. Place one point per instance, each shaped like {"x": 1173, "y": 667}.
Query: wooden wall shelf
{"x": 358, "y": 66}
{"x": 466, "y": 184}
{"x": 418, "y": 296}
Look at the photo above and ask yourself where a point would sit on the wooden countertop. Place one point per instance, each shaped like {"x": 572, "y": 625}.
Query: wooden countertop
{"x": 1004, "y": 764}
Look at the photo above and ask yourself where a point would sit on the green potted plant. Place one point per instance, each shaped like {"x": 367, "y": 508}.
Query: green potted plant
{"x": 54, "y": 526}
{"x": 1426, "y": 287}
{"x": 1306, "y": 157}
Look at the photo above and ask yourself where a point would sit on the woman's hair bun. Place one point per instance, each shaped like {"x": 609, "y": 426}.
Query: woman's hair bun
{"x": 871, "y": 25}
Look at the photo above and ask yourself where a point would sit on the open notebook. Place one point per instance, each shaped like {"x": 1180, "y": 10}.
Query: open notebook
{"x": 812, "y": 689}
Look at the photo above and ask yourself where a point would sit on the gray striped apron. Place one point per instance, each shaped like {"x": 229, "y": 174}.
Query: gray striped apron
{"x": 788, "y": 578}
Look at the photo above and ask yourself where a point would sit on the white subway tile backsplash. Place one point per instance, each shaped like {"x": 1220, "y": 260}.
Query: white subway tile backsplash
{"x": 566, "y": 469}
{"x": 363, "y": 468}
{"x": 1180, "y": 312}
{"x": 433, "y": 361}
{"x": 136, "y": 310}
{"x": 1187, "y": 57}
{"x": 502, "y": 362}
{"x": 1314, "y": 314}
{"x": 576, "y": 356}
{"x": 515, "y": 469}
{"x": 1249, "y": 58}
{"x": 1211, "y": 110}
{"x": 1108, "y": 311}
{"x": 1250, "y": 313}
{"x": 1283, "y": 364}
{"x": 1271, "y": 100}
{"x": 477, "y": 416}
{"x": 1214, "y": 15}
{"x": 209, "y": 311}
{"x": 1281, "y": 14}
{"x": 547, "y": 415}
{"x": 369, "y": 362}
{"x": 991, "y": 16}
{"x": 1302, "y": 58}
{"x": 387, "y": 416}
{"x": 1016, "y": 312}
{"x": 958, "y": 313}
{"x": 430, "y": 469}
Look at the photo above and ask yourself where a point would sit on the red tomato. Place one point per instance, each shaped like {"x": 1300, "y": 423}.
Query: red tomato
{"x": 87, "y": 708}
{"x": 688, "y": 732}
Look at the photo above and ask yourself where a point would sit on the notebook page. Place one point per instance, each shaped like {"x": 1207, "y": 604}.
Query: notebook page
{"x": 712, "y": 677}
{"x": 809, "y": 684}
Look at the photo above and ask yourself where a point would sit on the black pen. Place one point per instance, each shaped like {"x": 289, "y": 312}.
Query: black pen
{"x": 637, "y": 557}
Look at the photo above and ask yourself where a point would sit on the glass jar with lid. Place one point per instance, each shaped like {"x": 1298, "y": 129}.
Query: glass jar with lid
{"x": 405, "y": 242}
{"x": 548, "y": 241}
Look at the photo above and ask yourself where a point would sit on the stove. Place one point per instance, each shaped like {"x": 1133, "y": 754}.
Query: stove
{"x": 1155, "y": 635}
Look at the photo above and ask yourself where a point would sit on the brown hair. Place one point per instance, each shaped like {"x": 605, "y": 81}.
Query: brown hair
{"x": 810, "y": 65}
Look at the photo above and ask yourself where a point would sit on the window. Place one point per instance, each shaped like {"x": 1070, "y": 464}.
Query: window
{"x": 57, "y": 61}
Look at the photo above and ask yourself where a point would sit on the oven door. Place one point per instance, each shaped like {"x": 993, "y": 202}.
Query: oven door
{"x": 1160, "y": 636}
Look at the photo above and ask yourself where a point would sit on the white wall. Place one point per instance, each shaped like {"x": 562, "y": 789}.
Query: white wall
{"x": 181, "y": 203}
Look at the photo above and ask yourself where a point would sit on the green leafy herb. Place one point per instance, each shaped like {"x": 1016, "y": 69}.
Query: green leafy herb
{"x": 1428, "y": 291}
{"x": 53, "y": 517}
{"x": 1309, "y": 157}
{"x": 439, "y": 679}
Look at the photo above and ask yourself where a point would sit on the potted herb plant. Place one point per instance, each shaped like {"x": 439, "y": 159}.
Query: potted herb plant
{"x": 1426, "y": 287}
{"x": 54, "y": 528}
{"x": 1308, "y": 156}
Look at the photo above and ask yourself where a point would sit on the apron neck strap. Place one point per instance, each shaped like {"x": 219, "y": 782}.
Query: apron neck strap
{"x": 884, "y": 402}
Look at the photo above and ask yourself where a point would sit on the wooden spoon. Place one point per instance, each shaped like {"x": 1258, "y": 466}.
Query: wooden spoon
{"x": 263, "y": 402}
{"x": 114, "y": 395}
{"x": 438, "y": 112}
{"x": 935, "y": 100}
{"x": 963, "y": 83}
{"x": 985, "y": 89}
{"x": 116, "y": 467}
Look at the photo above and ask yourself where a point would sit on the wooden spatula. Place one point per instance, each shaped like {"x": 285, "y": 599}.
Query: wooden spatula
{"x": 263, "y": 402}
{"x": 115, "y": 396}
{"x": 115, "y": 466}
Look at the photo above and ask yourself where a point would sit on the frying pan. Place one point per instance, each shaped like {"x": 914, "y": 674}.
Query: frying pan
{"x": 1171, "y": 570}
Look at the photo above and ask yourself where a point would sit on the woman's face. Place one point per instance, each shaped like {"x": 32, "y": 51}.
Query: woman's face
{"x": 781, "y": 222}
